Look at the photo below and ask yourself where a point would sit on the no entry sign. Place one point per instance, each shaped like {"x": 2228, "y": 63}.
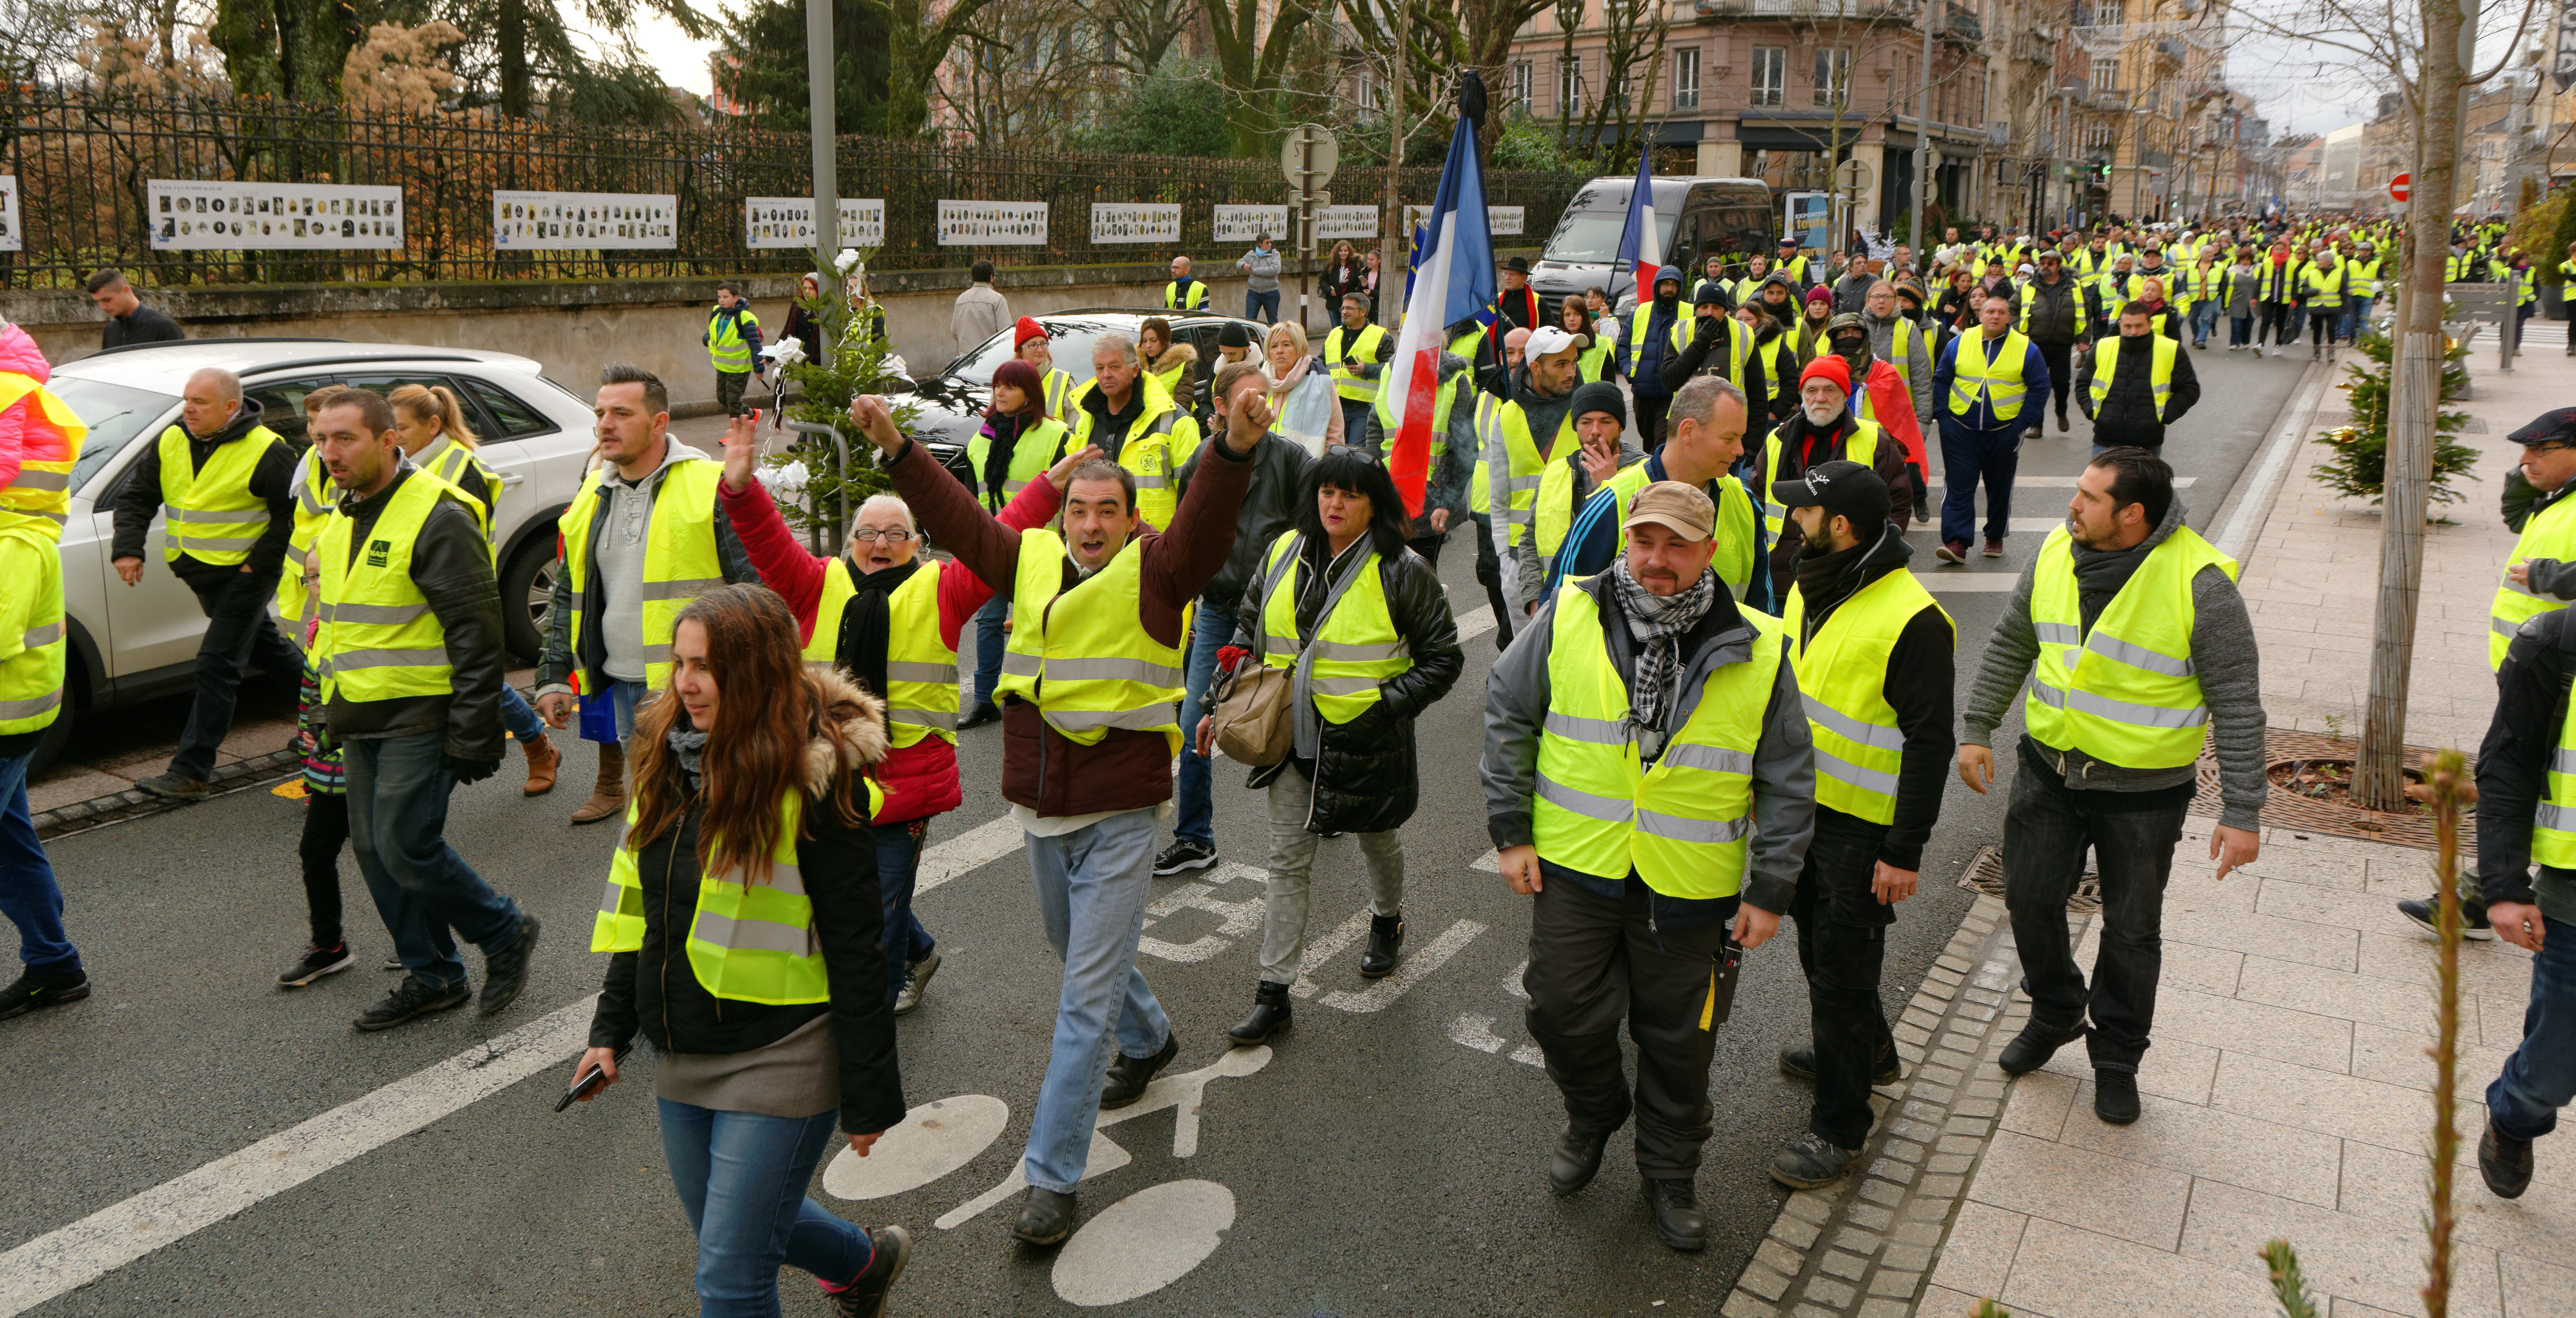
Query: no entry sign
{"x": 2400, "y": 187}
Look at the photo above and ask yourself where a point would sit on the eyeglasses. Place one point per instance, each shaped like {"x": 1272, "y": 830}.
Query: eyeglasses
{"x": 868, "y": 537}
{"x": 1368, "y": 456}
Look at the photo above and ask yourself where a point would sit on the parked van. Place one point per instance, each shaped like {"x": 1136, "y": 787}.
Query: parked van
{"x": 1694, "y": 219}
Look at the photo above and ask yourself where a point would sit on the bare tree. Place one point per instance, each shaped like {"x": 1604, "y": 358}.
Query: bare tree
{"x": 1254, "y": 43}
{"x": 1137, "y": 34}
{"x": 1024, "y": 69}
{"x": 41, "y": 40}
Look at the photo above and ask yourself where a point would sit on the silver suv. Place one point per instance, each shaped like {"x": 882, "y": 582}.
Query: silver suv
{"x": 136, "y": 643}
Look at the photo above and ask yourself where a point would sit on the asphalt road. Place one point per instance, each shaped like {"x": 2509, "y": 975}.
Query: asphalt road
{"x": 1372, "y": 1164}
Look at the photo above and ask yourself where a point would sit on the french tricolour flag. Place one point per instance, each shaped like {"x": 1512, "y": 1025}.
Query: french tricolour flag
{"x": 1637, "y": 241}
{"x": 1453, "y": 280}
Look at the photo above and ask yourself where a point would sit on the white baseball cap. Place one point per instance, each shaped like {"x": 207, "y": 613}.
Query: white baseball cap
{"x": 1548, "y": 340}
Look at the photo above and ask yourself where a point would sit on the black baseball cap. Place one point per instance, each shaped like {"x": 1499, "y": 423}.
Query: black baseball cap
{"x": 2558, "y": 427}
{"x": 1844, "y": 489}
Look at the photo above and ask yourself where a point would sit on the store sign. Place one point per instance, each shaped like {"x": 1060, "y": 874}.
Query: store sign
{"x": 584, "y": 221}
{"x": 220, "y": 214}
{"x": 789, "y": 221}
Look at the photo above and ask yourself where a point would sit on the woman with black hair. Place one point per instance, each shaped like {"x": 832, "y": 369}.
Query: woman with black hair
{"x": 1363, "y": 624}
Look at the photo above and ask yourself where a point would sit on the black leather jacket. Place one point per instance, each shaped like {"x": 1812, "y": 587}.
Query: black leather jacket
{"x": 1269, "y": 507}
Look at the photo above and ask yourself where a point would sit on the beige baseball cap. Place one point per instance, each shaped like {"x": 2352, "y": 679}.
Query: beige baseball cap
{"x": 1684, "y": 509}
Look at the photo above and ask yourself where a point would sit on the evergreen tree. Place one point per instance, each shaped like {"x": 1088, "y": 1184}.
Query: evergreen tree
{"x": 2359, "y": 467}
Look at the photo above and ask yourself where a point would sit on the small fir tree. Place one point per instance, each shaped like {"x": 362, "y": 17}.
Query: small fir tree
{"x": 2359, "y": 467}
{"x": 857, "y": 361}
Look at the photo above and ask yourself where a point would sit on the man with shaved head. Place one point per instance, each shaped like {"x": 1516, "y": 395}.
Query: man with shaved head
{"x": 224, "y": 486}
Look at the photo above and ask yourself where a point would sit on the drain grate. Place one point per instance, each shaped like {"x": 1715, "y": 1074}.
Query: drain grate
{"x": 2333, "y": 818}
{"x": 1986, "y": 874}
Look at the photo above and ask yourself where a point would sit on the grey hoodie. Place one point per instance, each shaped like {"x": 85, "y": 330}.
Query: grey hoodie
{"x": 1524, "y": 576}
{"x": 2222, "y": 655}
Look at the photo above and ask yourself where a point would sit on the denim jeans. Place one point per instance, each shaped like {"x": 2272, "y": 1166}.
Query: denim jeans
{"x": 2131, "y": 835}
{"x": 2356, "y": 313}
{"x": 2240, "y": 331}
{"x": 28, "y": 894}
{"x": 238, "y": 635}
{"x": 1092, "y": 886}
{"x": 519, "y": 717}
{"x": 2540, "y": 1077}
{"x": 988, "y": 648}
{"x": 398, "y": 789}
{"x": 1263, "y": 307}
{"x": 1194, "y": 784}
{"x": 1354, "y": 420}
{"x": 741, "y": 1178}
{"x": 898, "y": 865}
{"x": 1966, "y": 456}
{"x": 1291, "y": 798}
{"x": 2204, "y": 318}
{"x": 629, "y": 697}
{"x": 1842, "y": 943}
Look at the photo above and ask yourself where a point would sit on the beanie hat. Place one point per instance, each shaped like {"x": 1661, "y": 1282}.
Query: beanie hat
{"x": 1027, "y": 329}
{"x": 1827, "y": 367}
{"x": 1599, "y": 396}
{"x": 1815, "y": 295}
{"x": 1233, "y": 335}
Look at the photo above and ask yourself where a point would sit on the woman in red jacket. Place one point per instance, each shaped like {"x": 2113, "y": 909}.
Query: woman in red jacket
{"x": 862, "y": 614}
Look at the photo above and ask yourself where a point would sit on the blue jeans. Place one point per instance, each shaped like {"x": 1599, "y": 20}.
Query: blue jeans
{"x": 2356, "y": 313}
{"x": 1966, "y": 456}
{"x": 630, "y": 696}
{"x": 28, "y": 894}
{"x": 741, "y": 1178}
{"x": 1194, "y": 786}
{"x": 1354, "y": 420}
{"x": 519, "y": 717}
{"x": 988, "y": 647}
{"x": 398, "y": 789}
{"x": 2204, "y": 318}
{"x": 2240, "y": 331}
{"x": 898, "y": 865}
{"x": 1092, "y": 886}
{"x": 1263, "y": 307}
{"x": 2540, "y": 1077}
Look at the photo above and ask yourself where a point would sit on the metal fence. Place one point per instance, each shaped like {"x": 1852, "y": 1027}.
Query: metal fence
{"x": 82, "y": 162}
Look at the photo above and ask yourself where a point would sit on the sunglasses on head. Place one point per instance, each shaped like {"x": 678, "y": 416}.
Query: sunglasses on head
{"x": 1365, "y": 455}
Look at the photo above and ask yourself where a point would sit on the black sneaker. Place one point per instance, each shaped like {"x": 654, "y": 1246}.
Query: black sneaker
{"x": 2115, "y": 1096}
{"x": 172, "y": 787}
{"x": 1810, "y": 1161}
{"x": 34, "y": 990}
{"x": 505, "y": 972}
{"x": 412, "y": 999}
{"x": 1183, "y": 855}
{"x": 315, "y": 963}
{"x": 2504, "y": 1162}
{"x": 2473, "y": 918}
{"x": 865, "y": 1297}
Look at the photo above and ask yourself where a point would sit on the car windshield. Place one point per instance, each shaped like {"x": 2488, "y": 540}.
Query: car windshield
{"x": 114, "y": 413}
{"x": 1591, "y": 237}
{"x": 1069, "y": 346}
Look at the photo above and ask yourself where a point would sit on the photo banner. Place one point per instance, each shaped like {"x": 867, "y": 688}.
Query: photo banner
{"x": 789, "y": 221}
{"x": 1135, "y": 222}
{"x": 992, "y": 223}
{"x": 1334, "y": 223}
{"x": 222, "y": 215}
{"x": 13, "y": 233}
{"x": 584, "y": 221}
{"x": 1500, "y": 221}
{"x": 1245, "y": 224}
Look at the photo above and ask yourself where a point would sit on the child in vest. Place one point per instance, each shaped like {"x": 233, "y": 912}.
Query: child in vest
{"x": 326, "y": 809}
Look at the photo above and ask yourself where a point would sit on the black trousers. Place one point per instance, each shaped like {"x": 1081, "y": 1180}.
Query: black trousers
{"x": 238, "y": 634}
{"x": 1593, "y": 961}
{"x": 2322, "y": 327}
{"x": 2281, "y": 321}
{"x": 1428, "y": 546}
{"x": 1842, "y": 942}
{"x": 2061, "y": 374}
{"x": 326, "y": 831}
{"x": 1650, "y": 419}
{"x": 1489, "y": 574}
{"x": 2049, "y": 826}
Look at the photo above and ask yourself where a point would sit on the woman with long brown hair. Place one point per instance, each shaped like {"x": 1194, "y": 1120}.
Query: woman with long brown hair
{"x": 742, "y": 910}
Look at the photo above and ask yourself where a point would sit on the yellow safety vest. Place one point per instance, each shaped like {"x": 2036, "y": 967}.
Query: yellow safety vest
{"x": 1160, "y": 438}
{"x": 1594, "y": 361}
{"x": 1999, "y": 382}
{"x": 32, "y": 662}
{"x": 1680, "y": 825}
{"x": 41, "y": 496}
{"x": 2160, "y": 369}
{"x": 459, "y": 466}
{"x": 680, "y": 561}
{"x": 1031, "y": 454}
{"x": 1442, "y": 399}
{"x": 1733, "y": 559}
{"x": 2365, "y": 277}
{"x": 2551, "y": 533}
{"x": 2553, "y": 824}
{"x": 1901, "y": 345}
{"x": 921, "y": 673}
{"x": 1355, "y": 646}
{"x": 1632, "y": 344}
{"x": 1489, "y": 425}
{"x": 2324, "y": 292}
{"x": 379, "y": 640}
{"x": 1527, "y": 468}
{"x": 1862, "y": 448}
{"x": 2127, "y": 691}
{"x": 211, "y": 515}
{"x": 1361, "y": 350}
{"x": 726, "y": 347}
{"x": 1842, "y": 677}
{"x": 1058, "y": 386}
{"x": 1095, "y": 668}
{"x": 316, "y": 498}
{"x": 1173, "y": 300}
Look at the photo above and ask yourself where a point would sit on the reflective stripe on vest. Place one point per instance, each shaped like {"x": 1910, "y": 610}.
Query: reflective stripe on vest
{"x": 2324, "y": 292}
{"x": 1681, "y": 824}
{"x": 2551, "y": 533}
{"x": 726, "y": 347}
{"x": 50, "y": 438}
{"x": 752, "y": 939}
{"x": 1097, "y": 667}
{"x": 1174, "y": 300}
{"x": 1998, "y": 382}
{"x": 211, "y": 515}
{"x": 1355, "y": 646}
{"x": 1860, "y": 446}
{"x": 1489, "y": 428}
{"x": 680, "y": 560}
{"x": 2553, "y": 824}
{"x": 31, "y": 680}
{"x": 2126, "y": 692}
{"x": 2159, "y": 370}
{"x": 1345, "y": 353}
{"x": 379, "y": 640}
{"x": 1528, "y": 467}
{"x": 1842, "y": 677}
{"x": 921, "y": 672}
{"x": 1733, "y": 558}
{"x": 315, "y": 500}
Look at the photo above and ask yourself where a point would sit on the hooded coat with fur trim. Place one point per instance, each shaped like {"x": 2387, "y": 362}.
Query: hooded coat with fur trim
{"x": 653, "y": 991}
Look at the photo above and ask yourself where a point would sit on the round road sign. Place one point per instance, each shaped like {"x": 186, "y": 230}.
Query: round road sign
{"x": 2401, "y": 187}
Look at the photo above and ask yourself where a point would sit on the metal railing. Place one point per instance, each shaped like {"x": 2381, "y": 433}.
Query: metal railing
{"x": 82, "y": 165}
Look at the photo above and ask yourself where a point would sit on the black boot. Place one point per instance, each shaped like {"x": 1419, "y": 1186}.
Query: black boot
{"x": 1270, "y": 1015}
{"x": 1575, "y": 1160}
{"x": 1386, "y": 940}
{"x": 2504, "y": 1162}
{"x": 1046, "y": 1217}
{"x": 1128, "y": 1076}
{"x": 1678, "y": 1221}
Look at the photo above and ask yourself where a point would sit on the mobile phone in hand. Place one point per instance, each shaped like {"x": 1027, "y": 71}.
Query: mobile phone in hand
{"x": 588, "y": 1082}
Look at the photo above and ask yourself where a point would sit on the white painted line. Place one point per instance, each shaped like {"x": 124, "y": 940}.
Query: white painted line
{"x": 1321, "y": 950}
{"x": 1476, "y": 1032}
{"x": 1968, "y": 583}
{"x": 1529, "y": 1055}
{"x": 1475, "y": 622}
{"x": 1240, "y": 918}
{"x": 2037, "y": 525}
{"x": 932, "y": 1140}
{"x": 1103, "y": 1157}
{"x": 2236, "y": 539}
{"x": 1143, "y": 1243}
{"x": 75, "y": 1255}
{"x": 1516, "y": 983}
{"x": 967, "y": 852}
{"x": 1491, "y": 862}
{"x": 1382, "y": 994}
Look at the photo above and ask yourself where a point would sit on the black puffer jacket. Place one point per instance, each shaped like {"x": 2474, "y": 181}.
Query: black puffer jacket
{"x": 1366, "y": 779}
{"x": 653, "y": 991}
{"x": 2128, "y": 412}
{"x": 2056, "y": 310}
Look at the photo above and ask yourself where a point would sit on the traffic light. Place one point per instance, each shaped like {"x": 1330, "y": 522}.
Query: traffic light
{"x": 2103, "y": 172}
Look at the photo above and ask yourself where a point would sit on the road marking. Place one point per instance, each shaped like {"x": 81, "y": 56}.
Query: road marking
{"x": 1475, "y": 622}
{"x": 1102, "y": 1158}
{"x": 1143, "y": 1243}
{"x": 931, "y": 1141}
{"x": 967, "y": 852}
{"x": 75, "y": 1255}
{"x": 1240, "y": 917}
{"x": 2068, "y": 482}
{"x": 1321, "y": 950}
{"x": 1491, "y": 862}
{"x": 2236, "y": 538}
{"x": 1382, "y": 994}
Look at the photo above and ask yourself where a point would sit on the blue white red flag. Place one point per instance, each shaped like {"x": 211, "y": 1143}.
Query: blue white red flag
{"x": 1453, "y": 280}
{"x": 1637, "y": 240}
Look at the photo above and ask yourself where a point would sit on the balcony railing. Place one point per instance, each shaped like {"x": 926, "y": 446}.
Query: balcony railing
{"x": 1805, "y": 10}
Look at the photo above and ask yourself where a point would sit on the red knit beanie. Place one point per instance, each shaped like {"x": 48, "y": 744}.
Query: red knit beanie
{"x": 1026, "y": 330}
{"x": 1827, "y": 367}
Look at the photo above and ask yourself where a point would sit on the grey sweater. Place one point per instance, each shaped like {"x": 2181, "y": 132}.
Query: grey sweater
{"x": 1261, "y": 270}
{"x": 2222, "y": 655}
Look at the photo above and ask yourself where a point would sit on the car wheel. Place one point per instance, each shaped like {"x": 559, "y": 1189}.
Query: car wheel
{"x": 527, "y": 590}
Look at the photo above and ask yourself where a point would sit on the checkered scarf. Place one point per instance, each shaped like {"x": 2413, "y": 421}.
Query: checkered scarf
{"x": 1659, "y": 622}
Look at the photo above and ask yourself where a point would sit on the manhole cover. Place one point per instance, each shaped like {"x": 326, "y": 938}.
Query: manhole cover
{"x": 1986, "y": 874}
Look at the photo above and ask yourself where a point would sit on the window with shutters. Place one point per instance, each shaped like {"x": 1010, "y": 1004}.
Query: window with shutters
{"x": 1569, "y": 85}
{"x": 1520, "y": 84}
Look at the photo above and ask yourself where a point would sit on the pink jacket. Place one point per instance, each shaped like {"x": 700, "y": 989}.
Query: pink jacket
{"x": 40, "y": 437}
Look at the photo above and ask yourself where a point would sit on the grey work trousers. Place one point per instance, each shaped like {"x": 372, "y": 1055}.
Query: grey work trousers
{"x": 1292, "y": 864}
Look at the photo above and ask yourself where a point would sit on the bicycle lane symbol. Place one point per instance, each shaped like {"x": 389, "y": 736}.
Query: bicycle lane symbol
{"x": 1135, "y": 1247}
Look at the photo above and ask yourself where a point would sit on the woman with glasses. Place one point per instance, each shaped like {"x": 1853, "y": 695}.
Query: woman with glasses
{"x": 1363, "y": 625}
{"x": 889, "y": 619}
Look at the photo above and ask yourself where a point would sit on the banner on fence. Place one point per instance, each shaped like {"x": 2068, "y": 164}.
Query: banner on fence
{"x": 12, "y": 235}
{"x": 584, "y": 221}
{"x": 1243, "y": 224}
{"x": 789, "y": 221}
{"x": 222, "y": 214}
{"x": 1500, "y": 221}
{"x": 1333, "y": 223}
{"x": 1135, "y": 222}
{"x": 992, "y": 223}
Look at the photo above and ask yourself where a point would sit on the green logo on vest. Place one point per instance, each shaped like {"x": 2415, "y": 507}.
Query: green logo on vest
{"x": 376, "y": 551}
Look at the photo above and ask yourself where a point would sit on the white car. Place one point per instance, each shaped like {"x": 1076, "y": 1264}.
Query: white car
{"x": 132, "y": 643}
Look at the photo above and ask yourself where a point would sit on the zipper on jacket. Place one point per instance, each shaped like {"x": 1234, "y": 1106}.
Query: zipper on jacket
{"x": 670, "y": 1043}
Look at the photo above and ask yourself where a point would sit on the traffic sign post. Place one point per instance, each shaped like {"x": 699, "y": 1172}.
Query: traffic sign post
{"x": 2401, "y": 187}
{"x": 1307, "y": 159}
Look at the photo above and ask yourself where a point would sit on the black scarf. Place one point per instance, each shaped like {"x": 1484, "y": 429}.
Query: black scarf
{"x": 1825, "y": 579}
{"x": 2100, "y": 573}
{"x": 997, "y": 458}
{"x": 861, "y": 650}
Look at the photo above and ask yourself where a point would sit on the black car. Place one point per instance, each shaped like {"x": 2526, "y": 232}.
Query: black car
{"x": 952, "y": 402}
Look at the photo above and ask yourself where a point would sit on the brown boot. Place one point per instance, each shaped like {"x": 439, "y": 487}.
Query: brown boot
{"x": 608, "y": 797}
{"x": 543, "y": 760}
